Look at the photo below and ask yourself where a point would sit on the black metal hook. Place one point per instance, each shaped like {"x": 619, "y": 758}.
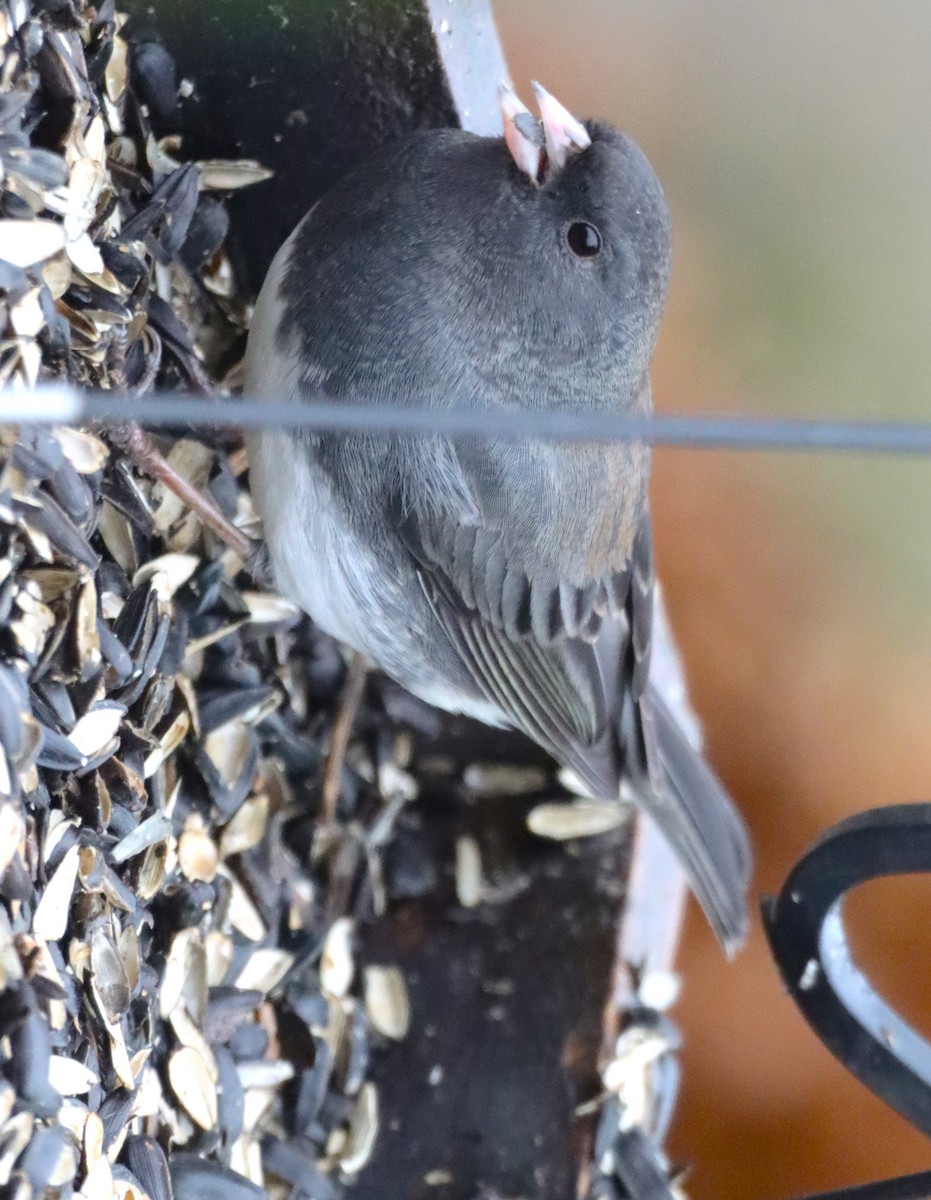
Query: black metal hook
{"x": 807, "y": 937}
{"x": 806, "y": 934}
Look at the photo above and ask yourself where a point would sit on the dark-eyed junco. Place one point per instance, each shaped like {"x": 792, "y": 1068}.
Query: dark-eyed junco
{"x": 509, "y": 581}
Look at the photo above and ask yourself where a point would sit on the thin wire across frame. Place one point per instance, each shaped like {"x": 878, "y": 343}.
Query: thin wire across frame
{"x": 57, "y": 404}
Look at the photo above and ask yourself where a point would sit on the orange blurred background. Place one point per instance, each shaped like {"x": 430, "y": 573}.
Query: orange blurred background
{"x": 794, "y": 142}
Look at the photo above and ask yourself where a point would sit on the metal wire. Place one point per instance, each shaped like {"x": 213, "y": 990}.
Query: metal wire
{"x": 52, "y": 405}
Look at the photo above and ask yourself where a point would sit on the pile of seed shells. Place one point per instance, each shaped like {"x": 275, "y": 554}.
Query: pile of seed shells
{"x": 112, "y": 268}
{"x": 176, "y": 931}
{"x": 180, "y": 1012}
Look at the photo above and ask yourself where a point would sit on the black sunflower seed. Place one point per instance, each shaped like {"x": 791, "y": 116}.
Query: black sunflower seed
{"x": 40, "y": 1158}
{"x": 37, "y": 454}
{"x": 249, "y": 1042}
{"x": 61, "y": 531}
{"x": 136, "y": 622}
{"x": 28, "y": 1068}
{"x": 357, "y": 1059}
{"x": 114, "y": 652}
{"x": 13, "y": 139}
{"x": 13, "y": 280}
{"x": 114, "y": 1112}
{"x": 230, "y": 1096}
{"x": 98, "y": 302}
{"x": 13, "y": 703}
{"x": 295, "y": 1162}
{"x": 16, "y": 882}
{"x": 206, "y": 233}
{"x": 154, "y": 78}
{"x": 227, "y": 1009}
{"x": 52, "y": 703}
{"x": 41, "y": 167}
{"x": 146, "y": 1159}
{"x": 57, "y": 332}
{"x": 13, "y": 103}
{"x": 194, "y": 1178}
{"x": 312, "y": 1089}
{"x": 60, "y": 63}
{"x": 124, "y": 493}
{"x": 217, "y": 708}
{"x": 146, "y": 666}
{"x": 57, "y": 752}
{"x": 123, "y": 262}
{"x": 16, "y": 208}
{"x": 180, "y": 204}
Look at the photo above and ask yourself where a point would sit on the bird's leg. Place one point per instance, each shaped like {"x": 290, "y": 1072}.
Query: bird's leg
{"x": 142, "y": 452}
{"x": 348, "y": 706}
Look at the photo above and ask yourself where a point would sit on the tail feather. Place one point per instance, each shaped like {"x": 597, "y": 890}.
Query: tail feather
{"x": 685, "y": 798}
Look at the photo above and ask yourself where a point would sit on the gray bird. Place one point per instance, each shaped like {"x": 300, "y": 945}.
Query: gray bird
{"x": 511, "y": 581}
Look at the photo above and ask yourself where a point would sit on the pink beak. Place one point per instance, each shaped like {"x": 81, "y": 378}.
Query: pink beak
{"x": 540, "y": 148}
{"x": 565, "y": 136}
{"x": 522, "y": 134}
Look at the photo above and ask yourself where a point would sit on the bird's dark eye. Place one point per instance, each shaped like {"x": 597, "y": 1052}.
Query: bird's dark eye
{"x": 584, "y": 239}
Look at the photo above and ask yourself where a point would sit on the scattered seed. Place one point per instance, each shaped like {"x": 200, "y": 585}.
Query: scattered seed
{"x": 153, "y": 830}
{"x": 168, "y": 573}
{"x": 264, "y": 970}
{"x": 96, "y": 727}
{"x": 23, "y": 243}
{"x": 578, "y": 819}
{"x": 109, "y": 973}
{"x": 188, "y": 1034}
{"x": 363, "y": 1130}
{"x": 265, "y": 1073}
{"x": 503, "y": 779}
{"x": 268, "y": 608}
{"x": 247, "y": 828}
{"x": 185, "y": 975}
{"x": 220, "y": 174}
{"x": 168, "y": 743}
{"x": 69, "y": 1077}
{"x": 198, "y": 855}
{"x": 470, "y": 884}
{"x": 51, "y": 916}
{"x": 86, "y": 453}
{"x": 228, "y": 748}
{"x": 337, "y": 967}
{"x": 244, "y": 915}
{"x": 190, "y": 1081}
{"x": 386, "y": 1001}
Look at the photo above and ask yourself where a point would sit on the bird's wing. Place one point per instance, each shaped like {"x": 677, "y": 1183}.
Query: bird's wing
{"x": 569, "y": 665}
{"x": 527, "y": 638}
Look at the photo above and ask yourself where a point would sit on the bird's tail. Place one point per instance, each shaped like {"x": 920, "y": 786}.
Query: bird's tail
{"x": 682, "y": 794}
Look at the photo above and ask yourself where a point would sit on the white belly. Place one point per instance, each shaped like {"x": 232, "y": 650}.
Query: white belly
{"x": 318, "y": 561}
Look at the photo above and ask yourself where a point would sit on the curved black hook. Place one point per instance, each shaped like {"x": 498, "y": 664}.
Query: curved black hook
{"x": 807, "y": 938}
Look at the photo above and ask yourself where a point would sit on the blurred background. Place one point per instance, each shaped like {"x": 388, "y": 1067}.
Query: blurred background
{"x": 794, "y": 142}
